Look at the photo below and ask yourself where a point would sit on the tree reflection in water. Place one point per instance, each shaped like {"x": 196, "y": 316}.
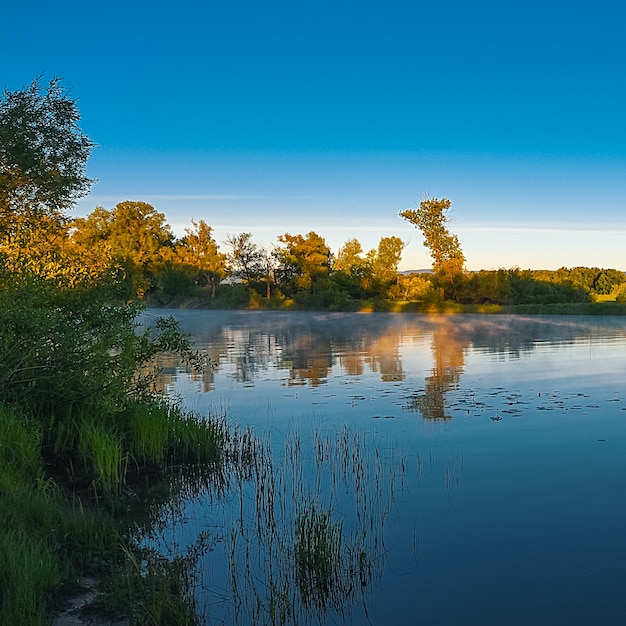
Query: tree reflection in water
{"x": 389, "y": 491}
{"x": 448, "y": 348}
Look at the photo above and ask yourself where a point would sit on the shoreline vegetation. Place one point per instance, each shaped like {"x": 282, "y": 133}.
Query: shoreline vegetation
{"x": 607, "y": 307}
{"x": 84, "y": 439}
{"x": 89, "y": 449}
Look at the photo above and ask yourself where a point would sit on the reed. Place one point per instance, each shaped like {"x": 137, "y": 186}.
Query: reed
{"x": 29, "y": 572}
{"x": 150, "y": 590}
{"x": 148, "y": 432}
{"x": 101, "y": 449}
{"x": 302, "y": 526}
{"x": 318, "y": 556}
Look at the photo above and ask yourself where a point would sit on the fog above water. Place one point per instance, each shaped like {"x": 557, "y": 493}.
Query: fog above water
{"x": 475, "y": 464}
{"x": 271, "y": 351}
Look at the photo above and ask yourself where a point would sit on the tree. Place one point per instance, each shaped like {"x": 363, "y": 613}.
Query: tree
{"x": 133, "y": 235}
{"x": 386, "y": 258}
{"x": 304, "y": 260}
{"x": 43, "y": 156}
{"x": 251, "y": 262}
{"x": 410, "y": 287}
{"x": 199, "y": 250}
{"x": 445, "y": 250}
{"x": 349, "y": 257}
{"x": 348, "y": 270}
{"x": 89, "y": 241}
{"x": 246, "y": 258}
{"x": 381, "y": 266}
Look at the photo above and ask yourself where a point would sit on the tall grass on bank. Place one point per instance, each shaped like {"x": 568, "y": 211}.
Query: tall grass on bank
{"x": 42, "y": 538}
{"x": 82, "y": 428}
{"x": 103, "y": 449}
{"x": 48, "y": 535}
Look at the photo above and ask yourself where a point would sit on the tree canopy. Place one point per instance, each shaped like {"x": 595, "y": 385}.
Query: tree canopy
{"x": 448, "y": 259}
{"x": 43, "y": 156}
{"x": 430, "y": 218}
{"x": 304, "y": 260}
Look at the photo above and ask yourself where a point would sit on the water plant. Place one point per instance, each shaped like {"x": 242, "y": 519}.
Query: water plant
{"x": 318, "y": 556}
{"x": 301, "y": 520}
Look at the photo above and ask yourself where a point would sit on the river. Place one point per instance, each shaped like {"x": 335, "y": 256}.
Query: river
{"x": 411, "y": 469}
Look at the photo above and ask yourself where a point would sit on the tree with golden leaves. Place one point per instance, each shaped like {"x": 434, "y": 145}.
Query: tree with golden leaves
{"x": 43, "y": 157}
{"x": 448, "y": 259}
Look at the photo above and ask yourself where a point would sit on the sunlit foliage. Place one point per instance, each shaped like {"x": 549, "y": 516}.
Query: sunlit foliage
{"x": 199, "y": 251}
{"x": 448, "y": 259}
{"x": 43, "y": 154}
{"x": 304, "y": 261}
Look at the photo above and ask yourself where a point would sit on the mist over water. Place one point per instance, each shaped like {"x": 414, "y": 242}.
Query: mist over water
{"x": 475, "y": 466}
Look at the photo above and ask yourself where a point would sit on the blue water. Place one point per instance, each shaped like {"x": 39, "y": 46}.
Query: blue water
{"x": 499, "y": 443}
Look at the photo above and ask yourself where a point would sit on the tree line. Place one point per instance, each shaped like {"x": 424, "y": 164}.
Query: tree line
{"x": 134, "y": 241}
{"x": 132, "y": 248}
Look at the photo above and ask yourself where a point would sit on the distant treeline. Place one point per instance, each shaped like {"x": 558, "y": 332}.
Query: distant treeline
{"x": 134, "y": 242}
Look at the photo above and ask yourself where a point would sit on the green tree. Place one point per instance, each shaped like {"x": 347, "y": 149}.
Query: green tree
{"x": 133, "y": 236}
{"x": 381, "y": 266}
{"x": 43, "y": 156}
{"x": 199, "y": 250}
{"x": 348, "y": 271}
{"x": 246, "y": 258}
{"x": 448, "y": 259}
{"x": 89, "y": 241}
{"x": 487, "y": 287}
{"x": 411, "y": 287}
{"x": 386, "y": 258}
{"x": 304, "y": 261}
{"x": 251, "y": 262}
{"x": 349, "y": 259}
{"x": 608, "y": 280}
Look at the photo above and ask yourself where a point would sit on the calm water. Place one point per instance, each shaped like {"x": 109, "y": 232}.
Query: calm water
{"x": 475, "y": 467}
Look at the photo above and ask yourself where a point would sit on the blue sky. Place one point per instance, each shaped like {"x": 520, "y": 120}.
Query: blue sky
{"x": 274, "y": 117}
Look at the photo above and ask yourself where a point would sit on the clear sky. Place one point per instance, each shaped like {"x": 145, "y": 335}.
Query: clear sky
{"x": 334, "y": 116}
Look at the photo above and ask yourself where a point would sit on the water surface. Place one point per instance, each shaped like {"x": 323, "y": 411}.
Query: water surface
{"x": 476, "y": 465}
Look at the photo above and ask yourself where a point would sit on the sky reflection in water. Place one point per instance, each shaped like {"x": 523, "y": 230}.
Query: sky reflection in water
{"x": 503, "y": 438}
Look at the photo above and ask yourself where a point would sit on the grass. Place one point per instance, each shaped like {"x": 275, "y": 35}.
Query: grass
{"x": 318, "y": 555}
{"x": 29, "y": 573}
{"x": 51, "y": 527}
{"x": 292, "y": 555}
{"x": 151, "y": 590}
{"x": 101, "y": 448}
{"x": 601, "y": 307}
{"x": 43, "y": 539}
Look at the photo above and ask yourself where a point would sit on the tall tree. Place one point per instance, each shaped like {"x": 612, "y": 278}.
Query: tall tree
{"x": 349, "y": 257}
{"x": 43, "y": 153}
{"x": 381, "y": 266}
{"x": 43, "y": 156}
{"x": 246, "y": 258}
{"x": 448, "y": 259}
{"x": 199, "y": 250}
{"x": 385, "y": 259}
{"x": 304, "y": 260}
{"x": 133, "y": 235}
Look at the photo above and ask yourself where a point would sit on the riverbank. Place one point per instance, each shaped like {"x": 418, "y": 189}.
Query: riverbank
{"x": 88, "y": 452}
{"x": 392, "y": 306}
